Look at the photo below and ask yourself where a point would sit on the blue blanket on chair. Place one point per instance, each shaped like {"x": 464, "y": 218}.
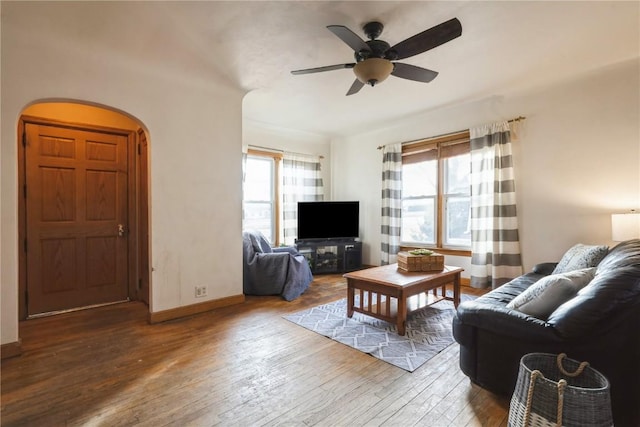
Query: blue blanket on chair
{"x": 267, "y": 271}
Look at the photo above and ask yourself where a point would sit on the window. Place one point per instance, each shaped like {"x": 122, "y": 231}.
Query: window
{"x": 436, "y": 193}
{"x": 273, "y": 184}
{"x": 259, "y": 204}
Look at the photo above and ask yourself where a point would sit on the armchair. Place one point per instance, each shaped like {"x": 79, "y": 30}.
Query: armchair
{"x": 273, "y": 271}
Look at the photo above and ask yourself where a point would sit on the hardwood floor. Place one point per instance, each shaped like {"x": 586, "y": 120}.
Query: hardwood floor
{"x": 239, "y": 366}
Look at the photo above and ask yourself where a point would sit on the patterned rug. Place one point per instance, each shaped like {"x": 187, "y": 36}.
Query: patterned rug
{"x": 428, "y": 332}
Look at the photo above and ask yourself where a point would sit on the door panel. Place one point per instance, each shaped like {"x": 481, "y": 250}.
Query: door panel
{"x": 76, "y": 203}
{"x": 58, "y": 260}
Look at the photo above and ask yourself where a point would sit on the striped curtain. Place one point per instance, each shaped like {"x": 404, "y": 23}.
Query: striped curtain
{"x": 495, "y": 246}
{"x": 391, "y": 202}
{"x": 301, "y": 182}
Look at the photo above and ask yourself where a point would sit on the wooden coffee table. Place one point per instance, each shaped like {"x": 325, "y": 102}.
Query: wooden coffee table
{"x": 388, "y": 294}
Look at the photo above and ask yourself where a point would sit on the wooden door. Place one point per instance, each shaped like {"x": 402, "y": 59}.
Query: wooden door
{"x": 76, "y": 205}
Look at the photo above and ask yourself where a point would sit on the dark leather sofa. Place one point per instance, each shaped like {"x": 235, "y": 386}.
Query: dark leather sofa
{"x": 600, "y": 325}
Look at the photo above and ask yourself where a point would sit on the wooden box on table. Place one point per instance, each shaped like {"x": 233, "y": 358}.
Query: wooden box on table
{"x": 410, "y": 262}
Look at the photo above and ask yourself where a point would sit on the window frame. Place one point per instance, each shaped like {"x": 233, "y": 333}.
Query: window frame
{"x": 277, "y": 160}
{"x": 442, "y": 147}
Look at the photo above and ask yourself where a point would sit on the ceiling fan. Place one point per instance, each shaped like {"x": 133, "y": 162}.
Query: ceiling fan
{"x": 374, "y": 57}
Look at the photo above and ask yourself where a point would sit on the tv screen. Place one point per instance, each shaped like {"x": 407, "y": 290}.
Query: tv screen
{"x": 328, "y": 220}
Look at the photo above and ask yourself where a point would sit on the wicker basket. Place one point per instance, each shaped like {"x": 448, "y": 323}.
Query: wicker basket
{"x": 553, "y": 390}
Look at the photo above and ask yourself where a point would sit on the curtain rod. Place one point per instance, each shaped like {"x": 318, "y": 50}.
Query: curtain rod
{"x": 517, "y": 119}
{"x": 275, "y": 150}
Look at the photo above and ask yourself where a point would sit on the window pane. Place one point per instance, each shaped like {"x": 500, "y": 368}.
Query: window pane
{"x": 257, "y": 216}
{"x": 457, "y": 170}
{"x": 258, "y": 180}
{"x": 457, "y": 227}
{"x": 421, "y": 201}
{"x": 420, "y": 179}
{"x": 258, "y": 204}
{"x": 419, "y": 220}
{"x": 457, "y": 202}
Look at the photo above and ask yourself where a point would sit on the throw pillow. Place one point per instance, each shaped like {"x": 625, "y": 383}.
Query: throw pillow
{"x": 581, "y": 256}
{"x": 543, "y": 297}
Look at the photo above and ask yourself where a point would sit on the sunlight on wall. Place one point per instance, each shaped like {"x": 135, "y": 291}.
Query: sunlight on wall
{"x": 81, "y": 113}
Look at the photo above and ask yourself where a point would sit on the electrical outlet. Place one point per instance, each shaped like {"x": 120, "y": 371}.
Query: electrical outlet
{"x": 201, "y": 291}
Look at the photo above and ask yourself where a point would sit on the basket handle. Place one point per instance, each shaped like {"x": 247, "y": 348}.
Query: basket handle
{"x": 562, "y": 384}
{"x": 567, "y": 373}
{"x": 532, "y": 382}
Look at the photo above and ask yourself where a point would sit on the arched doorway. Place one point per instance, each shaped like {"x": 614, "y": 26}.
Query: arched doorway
{"x": 84, "y": 210}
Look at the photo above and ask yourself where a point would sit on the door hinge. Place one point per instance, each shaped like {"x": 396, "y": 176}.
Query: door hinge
{"x": 24, "y": 138}
{"x": 139, "y": 284}
{"x": 139, "y": 149}
{"x": 24, "y": 190}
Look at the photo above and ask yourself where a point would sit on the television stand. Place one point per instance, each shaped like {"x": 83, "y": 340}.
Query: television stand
{"x": 331, "y": 255}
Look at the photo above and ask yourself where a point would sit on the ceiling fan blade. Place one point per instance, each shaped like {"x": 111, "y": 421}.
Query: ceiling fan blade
{"x": 355, "y": 87}
{"x": 428, "y": 39}
{"x": 321, "y": 69}
{"x": 411, "y": 72}
{"x": 349, "y": 37}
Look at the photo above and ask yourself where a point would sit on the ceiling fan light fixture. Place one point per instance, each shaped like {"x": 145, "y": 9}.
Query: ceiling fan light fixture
{"x": 373, "y": 57}
{"x": 373, "y": 70}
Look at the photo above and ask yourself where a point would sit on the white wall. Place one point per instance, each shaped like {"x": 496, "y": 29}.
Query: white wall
{"x": 195, "y": 136}
{"x": 577, "y": 160}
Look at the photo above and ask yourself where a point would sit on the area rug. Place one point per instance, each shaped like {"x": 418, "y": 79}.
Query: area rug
{"x": 428, "y": 332}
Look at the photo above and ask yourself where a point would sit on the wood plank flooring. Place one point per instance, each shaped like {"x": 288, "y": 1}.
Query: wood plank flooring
{"x": 238, "y": 366}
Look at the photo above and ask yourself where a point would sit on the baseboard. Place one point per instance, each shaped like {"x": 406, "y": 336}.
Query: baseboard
{"x": 11, "y": 349}
{"x": 190, "y": 310}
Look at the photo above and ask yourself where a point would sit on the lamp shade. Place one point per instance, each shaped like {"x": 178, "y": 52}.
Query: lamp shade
{"x": 625, "y": 226}
{"x": 373, "y": 70}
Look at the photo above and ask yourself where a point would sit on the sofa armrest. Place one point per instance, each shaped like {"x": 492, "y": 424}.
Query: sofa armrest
{"x": 288, "y": 249}
{"x": 504, "y": 321}
{"x": 545, "y": 268}
{"x": 599, "y": 307}
{"x": 271, "y": 258}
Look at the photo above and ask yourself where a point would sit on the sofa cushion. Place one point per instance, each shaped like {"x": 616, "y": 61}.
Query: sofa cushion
{"x": 543, "y": 297}
{"x": 259, "y": 243}
{"x": 581, "y": 256}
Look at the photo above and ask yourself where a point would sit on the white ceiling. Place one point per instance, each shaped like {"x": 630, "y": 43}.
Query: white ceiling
{"x": 506, "y": 47}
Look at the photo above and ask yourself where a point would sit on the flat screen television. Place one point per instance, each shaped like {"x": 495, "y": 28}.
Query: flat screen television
{"x": 328, "y": 220}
